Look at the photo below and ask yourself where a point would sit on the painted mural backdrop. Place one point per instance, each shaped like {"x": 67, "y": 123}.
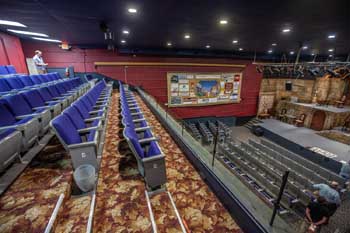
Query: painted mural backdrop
{"x": 191, "y": 89}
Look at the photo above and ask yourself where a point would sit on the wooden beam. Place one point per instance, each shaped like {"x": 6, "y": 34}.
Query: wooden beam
{"x": 167, "y": 64}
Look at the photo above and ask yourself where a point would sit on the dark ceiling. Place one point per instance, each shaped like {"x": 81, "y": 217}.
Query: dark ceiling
{"x": 256, "y": 24}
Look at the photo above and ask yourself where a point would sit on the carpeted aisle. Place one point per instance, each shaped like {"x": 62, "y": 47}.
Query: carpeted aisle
{"x": 196, "y": 203}
{"x": 121, "y": 203}
{"x": 120, "y": 199}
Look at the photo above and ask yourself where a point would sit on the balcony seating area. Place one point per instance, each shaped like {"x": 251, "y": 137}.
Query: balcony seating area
{"x": 138, "y": 134}
{"x": 79, "y": 126}
{"x": 207, "y": 131}
{"x": 26, "y": 111}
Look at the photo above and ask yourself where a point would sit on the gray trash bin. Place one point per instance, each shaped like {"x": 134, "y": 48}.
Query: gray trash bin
{"x": 85, "y": 177}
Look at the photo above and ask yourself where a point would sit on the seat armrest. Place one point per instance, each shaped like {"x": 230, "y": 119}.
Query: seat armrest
{"x": 148, "y": 140}
{"x": 92, "y": 119}
{"x": 140, "y": 129}
{"x": 83, "y": 144}
{"x": 52, "y": 102}
{"x": 139, "y": 120}
{"x": 136, "y": 113}
{"x": 96, "y": 111}
{"x": 28, "y": 115}
{"x": 41, "y": 107}
{"x": 87, "y": 130}
{"x": 134, "y": 108}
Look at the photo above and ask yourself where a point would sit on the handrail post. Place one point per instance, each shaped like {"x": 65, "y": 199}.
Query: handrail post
{"x": 54, "y": 214}
{"x": 277, "y": 203}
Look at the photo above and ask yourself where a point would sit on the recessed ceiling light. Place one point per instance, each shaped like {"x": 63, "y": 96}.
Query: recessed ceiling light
{"x": 286, "y": 30}
{"x": 12, "y": 23}
{"x": 305, "y": 47}
{"x": 291, "y": 52}
{"x": 123, "y": 41}
{"x": 125, "y": 32}
{"x": 240, "y": 49}
{"x": 274, "y": 44}
{"x": 270, "y": 51}
{"x": 187, "y": 36}
{"x": 207, "y": 46}
{"x": 330, "y": 55}
{"x": 330, "y": 50}
{"x": 312, "y": 54}
{"x": 223, "y": 21}
{"x": 46, "y": 39}
{"x": 332, "y": 36}
{"x": 169, "y": 44}
{"x": 27, "y": 33}
{"x": 132, "y": 10}
{"x": 235, "y": 41}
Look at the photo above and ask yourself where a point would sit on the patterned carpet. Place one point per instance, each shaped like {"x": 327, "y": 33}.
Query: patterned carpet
{"x": 121, "y": 202}
{"x": 28, "y": 204}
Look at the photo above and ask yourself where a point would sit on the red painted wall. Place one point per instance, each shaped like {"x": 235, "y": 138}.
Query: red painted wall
{"x": 11, "y": 52}
{"x": 153, "y": 79}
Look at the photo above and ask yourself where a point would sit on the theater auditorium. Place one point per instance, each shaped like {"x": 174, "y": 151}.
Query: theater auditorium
{"x": 174, "y": 116}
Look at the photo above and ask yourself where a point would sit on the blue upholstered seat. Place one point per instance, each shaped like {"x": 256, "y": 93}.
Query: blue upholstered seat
{"x": 3, "y": 70}
{"x": 66, "y": 130}
{"x": 11, "y": 69}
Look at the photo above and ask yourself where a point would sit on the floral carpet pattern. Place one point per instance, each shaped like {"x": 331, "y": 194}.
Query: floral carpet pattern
{"x": 28, "y": 204}
{"x": 197, "y": 204}
{"x": 121, "y": 203}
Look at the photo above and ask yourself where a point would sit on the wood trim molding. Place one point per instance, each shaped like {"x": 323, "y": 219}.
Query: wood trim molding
{"x": 167, "y": 64}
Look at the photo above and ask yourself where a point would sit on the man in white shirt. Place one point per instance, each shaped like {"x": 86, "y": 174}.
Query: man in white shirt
{"x": 39, "y": 62}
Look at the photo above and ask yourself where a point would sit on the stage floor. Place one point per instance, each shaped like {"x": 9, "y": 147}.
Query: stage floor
{"x": 307, "y": 138}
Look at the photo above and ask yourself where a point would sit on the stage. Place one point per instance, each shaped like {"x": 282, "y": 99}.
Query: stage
{"x": 305, "y": 142}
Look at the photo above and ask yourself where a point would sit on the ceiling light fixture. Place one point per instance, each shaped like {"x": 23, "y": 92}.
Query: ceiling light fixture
{"x": 12, "y": 23}
{"x": 240, "y": 49}
{"x": 132, "y": 10}
{"x": 169, "y": 44}
{"x": 274, "y": 44}
{"x": 235, "y": 41}
{"x": 123, "y": 41}
{"x": 207, "y": 46}
{"x": 46, "y": 39}
{"x": 187, "y": 36}
{"x": 305, "y": 47}
{"x": 291, "y": 52}
{"x": 125, "y": 32}
{"x": 270, "y": 51}
{"x": 330, "y": 50}
{"x": 286, "y": 30}
{"x": 27, "y": 33}
{"x": 332, "y": 36}
{"x": 330, "y": 55}
{"x": 223, "y": 21}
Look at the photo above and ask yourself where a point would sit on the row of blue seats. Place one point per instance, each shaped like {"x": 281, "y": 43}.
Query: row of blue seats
{"x": 79, "y": 127}
{"x": 138, "y": 134}
{"x": 13, "y": 84}
{"x": 9, "y": 69}
{"x": 25, "y": 116}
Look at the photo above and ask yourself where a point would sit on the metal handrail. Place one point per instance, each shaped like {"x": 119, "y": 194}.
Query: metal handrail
{"x": 54, "y": 214}
{"x": 91, "y": 214}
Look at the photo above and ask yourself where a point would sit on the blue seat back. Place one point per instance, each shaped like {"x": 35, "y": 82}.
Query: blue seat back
{"x": 66, "y": 130}
{"x": 26, "y": 80}
{"x": 131, "y": 135}
{"x": 33, "y": 98}
{"x": 74, "y": 115}
{"x": 6, "y": 116}
{"x": 36, "y": 79}
{"x": 15, "y": 83}
{"x": 11, "y": 69}
{"x": 45, "y": 94}
{"x": 3, "y": 70}
{"x": 4, "y": 86}
{"x": 18, "y": 105}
